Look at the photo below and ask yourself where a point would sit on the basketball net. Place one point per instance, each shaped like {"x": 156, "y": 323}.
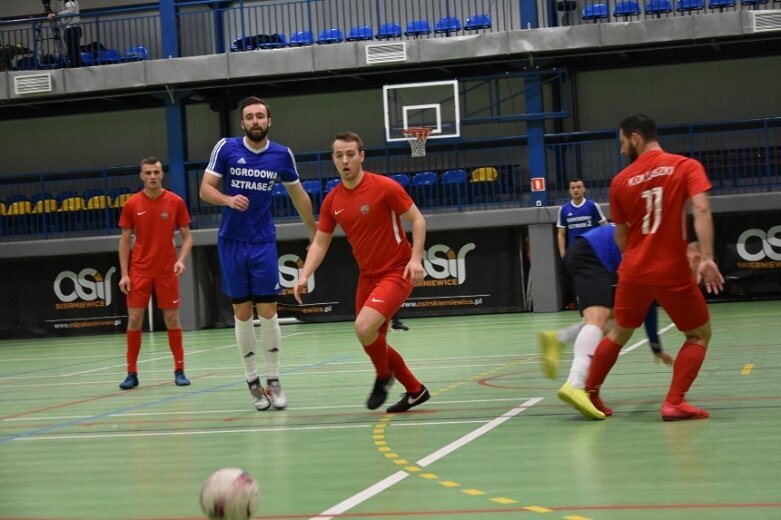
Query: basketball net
{"x": 417, "y": 139}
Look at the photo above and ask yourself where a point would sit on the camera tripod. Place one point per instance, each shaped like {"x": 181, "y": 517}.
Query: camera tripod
{"x": 49, "y": 49}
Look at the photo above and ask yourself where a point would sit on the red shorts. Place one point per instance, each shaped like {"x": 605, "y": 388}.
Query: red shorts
{"x": 684, "y": 304}
{"x": 384, "y": 293}
{"x": 166, "y": 291}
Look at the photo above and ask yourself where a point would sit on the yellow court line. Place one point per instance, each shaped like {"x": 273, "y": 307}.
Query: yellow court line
{"x": 747, "y": 369}
{"x": 382, "y": 446}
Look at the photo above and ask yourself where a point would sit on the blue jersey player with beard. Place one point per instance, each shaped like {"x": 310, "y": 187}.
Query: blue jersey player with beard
{"x": 240, "y": 176}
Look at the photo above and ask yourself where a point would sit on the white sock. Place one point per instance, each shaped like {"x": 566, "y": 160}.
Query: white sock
{"x": 270, "y": 342}
{"x": 569, "y": 334}
{"x": 245, "y": 339}
{"x": 585, "y": 344}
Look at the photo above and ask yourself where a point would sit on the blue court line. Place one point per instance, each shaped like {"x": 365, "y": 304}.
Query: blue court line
{"x": 9, "y": 438}
{"x": 48, "y": 369}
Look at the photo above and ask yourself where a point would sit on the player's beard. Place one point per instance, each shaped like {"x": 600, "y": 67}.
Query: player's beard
{"x": 632, "y": 154}
{"x": 256, "y": 135}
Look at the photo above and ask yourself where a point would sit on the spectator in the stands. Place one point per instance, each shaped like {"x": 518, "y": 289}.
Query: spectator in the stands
{"x": 69, "y": 18}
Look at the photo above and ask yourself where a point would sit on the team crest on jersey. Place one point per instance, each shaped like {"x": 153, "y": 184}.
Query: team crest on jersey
{"x": 364, "y": 209}
{"x": 164, "y": 215}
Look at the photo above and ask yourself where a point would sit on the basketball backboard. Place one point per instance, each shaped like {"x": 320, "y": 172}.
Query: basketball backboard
{"x": 432, "y": 104}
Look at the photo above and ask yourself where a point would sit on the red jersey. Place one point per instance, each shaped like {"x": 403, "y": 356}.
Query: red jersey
{"x": 154, "y": 222}
{"x": 370, "y": 215}
{"x": 650, "y": 197}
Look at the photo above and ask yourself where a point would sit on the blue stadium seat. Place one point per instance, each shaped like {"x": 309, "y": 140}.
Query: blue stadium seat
{"x": 658, "y": 7}
{"x": 477, "y": 22}
{"x": 690, "y": 5}
{"x": 454, "y": 187}
{"x": 87, "y": 59}
{"x": 314, "y": 189}
{"x": 418, "y": 28}
{"x": 595, "y": 12}
{"x": 388, "y": 31}
{"x": 109, "y": 56}
{"x": 627, "y": 8}
{"x": 753, "y": 4}
{"x": 302, "y": 38}
{"x": 401, "y": 178}
{"x": 135, "y": 54}
{"x": 281, "y": 205}
{"x": 333, "y": 35}
{"x": 361, "y": 32}
{"x": 447, "y": 25}
{"x": 425, "y": 189}
{"x": 274, "y": 41}
{"x": 721, "y": 4}
{"x": 331, "y": 184}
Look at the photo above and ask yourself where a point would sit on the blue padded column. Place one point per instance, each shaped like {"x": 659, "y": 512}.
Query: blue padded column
{"x": 535, "y": 130}
{"x": 175, "y": 130}
{"x": 529, "y": 16}
{"x": 168, "y": 37}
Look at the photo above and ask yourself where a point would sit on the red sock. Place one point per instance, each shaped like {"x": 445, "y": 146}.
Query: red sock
{"x": 685, "y": 369}
{"x": 604, "y": 358}
{"x": 378, "y": 352}
{"x": 402, "y": 372}
{"x": 175, "y": 344}
{"x": 133, "y": 348}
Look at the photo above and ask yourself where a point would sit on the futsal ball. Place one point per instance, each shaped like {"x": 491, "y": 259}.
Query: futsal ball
{"x": 230, "y": 494}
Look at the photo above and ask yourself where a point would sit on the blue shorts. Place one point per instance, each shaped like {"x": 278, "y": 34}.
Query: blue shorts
{"x": 248, "y": 270}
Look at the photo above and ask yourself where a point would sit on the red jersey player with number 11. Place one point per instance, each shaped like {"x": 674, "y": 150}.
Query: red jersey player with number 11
{"x": 369, "y": 208}
{"x": 648, "y": 204}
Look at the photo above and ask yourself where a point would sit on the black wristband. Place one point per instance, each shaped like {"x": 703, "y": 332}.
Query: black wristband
{"x": 656, "y": 349}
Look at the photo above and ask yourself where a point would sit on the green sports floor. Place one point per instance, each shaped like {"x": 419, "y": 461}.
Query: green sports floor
{"x": 494, "y": 442}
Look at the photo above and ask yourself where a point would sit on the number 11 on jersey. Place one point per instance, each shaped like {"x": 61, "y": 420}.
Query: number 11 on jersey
{"x": 653, "y": 210}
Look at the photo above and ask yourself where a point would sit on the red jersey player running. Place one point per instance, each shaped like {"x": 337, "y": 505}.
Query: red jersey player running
{"x": 153, "y": 215}
{"x": 369, "y": 208}
{"x": 648, "y": 203}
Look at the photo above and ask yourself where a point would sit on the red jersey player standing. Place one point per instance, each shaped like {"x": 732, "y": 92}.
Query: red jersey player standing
{"x": 153, "y": 215}
{"x": 369, "y": 208}
{"x": 648, "y": 204}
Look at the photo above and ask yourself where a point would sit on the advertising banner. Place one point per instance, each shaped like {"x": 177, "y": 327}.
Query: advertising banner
{"x": 61, "y": 296}
{"x": 466, "y": 272}
{"x": 748, "y": 251}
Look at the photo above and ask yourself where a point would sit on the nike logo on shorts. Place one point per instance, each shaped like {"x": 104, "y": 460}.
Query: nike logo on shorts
{"x": 377, "y": 300}
{"x": 175, "y": 301}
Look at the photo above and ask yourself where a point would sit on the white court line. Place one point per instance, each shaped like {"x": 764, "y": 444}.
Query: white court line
{"x": 627, "y": 350}
{"x": 314, "y": 427}
{"x": 397, "y": 477}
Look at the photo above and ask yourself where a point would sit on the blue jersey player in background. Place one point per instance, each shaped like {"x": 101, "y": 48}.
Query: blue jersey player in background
{"x": 577, "y": 216}
{"x": 247, "y": 168}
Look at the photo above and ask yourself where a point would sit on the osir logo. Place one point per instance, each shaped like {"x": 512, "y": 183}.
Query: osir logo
{"x": 89, "y": 285}
{"x": 440, "y": 262}
{"x": 754, "y": 245}
{"x": 290, "y": 267}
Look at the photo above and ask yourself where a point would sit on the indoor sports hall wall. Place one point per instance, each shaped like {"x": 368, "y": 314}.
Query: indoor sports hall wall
{"x": 713, "y": 91}
{"x": 678, "y": 94}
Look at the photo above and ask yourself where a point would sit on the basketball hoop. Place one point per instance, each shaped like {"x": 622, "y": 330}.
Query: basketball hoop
{"x": 417, "y": 137}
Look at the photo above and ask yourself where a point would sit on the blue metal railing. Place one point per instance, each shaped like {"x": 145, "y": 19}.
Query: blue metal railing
{"x": 740, "y": 157}
{"x": 205, "y": 29}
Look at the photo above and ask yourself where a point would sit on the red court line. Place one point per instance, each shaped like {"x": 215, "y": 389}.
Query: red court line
{"x": 497, "y": 511}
